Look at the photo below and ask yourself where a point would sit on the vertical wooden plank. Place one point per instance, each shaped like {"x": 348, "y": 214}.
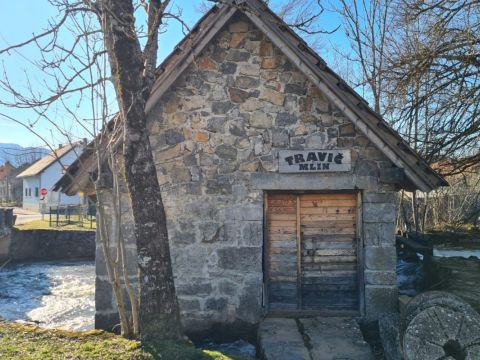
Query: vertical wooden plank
{"x": 266, "y": 265}
{"x": 281, "y": 245}
{"x": 360, "y": 255}
{"x": 299, "y": 256}
{"x": 330, "y": 271}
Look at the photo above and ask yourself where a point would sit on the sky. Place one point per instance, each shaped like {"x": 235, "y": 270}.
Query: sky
{"x": 21, "y": 18}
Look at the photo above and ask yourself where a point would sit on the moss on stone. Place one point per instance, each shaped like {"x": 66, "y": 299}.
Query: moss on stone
{"x": 27, "y": 342}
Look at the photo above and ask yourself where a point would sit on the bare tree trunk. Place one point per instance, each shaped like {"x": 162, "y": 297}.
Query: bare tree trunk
{"x": 121, "y": 247}
{"x": 415, "y": 210}
{"x": 110, "y": 263}
{"x": 406, "y": 218}
{"x": 425, "y": 210}
{"x": 159, "y": 313}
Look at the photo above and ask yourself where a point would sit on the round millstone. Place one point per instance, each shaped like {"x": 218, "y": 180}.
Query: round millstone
{"x": 431, "y": 299}
{"x": 440, "y": 326}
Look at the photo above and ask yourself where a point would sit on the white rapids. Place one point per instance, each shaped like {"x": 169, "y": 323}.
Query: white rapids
{"x": 452, "y": 252}
{"x": 53, "y": 295}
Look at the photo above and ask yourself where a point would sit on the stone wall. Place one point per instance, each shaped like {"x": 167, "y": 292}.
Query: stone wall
{"x": 106, "y": 316}
{"x": 6, "y": 224}
{"x": 216, "y": 135}
{"x": 379, "y": 215}
{"x": 46, "y": 245}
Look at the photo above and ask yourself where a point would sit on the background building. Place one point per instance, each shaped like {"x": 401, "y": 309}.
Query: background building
{"x": 7, "y": 177}
{"x": 44, "y": 174}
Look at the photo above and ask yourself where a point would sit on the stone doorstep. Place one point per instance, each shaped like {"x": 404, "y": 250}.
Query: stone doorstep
{"x": 280, "y": 339}
{"x": 319, "y": 338}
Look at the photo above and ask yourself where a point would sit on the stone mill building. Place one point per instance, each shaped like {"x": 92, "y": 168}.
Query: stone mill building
{"x": 277, "y": 178}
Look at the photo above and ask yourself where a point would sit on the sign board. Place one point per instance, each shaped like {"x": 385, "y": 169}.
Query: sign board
{"x": 305, "y": 161}
{"x": 43, "y": 192}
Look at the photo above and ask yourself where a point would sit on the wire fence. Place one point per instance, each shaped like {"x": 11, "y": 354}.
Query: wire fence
{"x": 62, "y": 215}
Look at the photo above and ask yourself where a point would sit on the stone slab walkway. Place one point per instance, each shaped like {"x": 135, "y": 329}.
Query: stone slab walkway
{"x": 316, "y": 338}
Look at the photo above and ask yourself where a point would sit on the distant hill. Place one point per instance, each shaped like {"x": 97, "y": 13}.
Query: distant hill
{"x": 19, "y": 155}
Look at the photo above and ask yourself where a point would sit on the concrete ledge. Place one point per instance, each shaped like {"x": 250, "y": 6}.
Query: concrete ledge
{"x": 47, "y": 245}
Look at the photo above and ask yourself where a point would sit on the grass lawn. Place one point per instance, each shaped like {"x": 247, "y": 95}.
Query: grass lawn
{"x": 26, "y": 342}
{"x": 45, "y": 225}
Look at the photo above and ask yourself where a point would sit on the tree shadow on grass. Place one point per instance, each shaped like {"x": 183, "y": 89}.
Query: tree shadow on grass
{"x": 186, "y": 351}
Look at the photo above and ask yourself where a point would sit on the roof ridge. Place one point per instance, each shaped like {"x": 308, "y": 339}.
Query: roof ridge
{"x": 46, "y": 161}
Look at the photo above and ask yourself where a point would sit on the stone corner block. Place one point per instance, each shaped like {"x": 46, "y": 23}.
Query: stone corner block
{"x": 380, "y": 258}
{"x": 379, "y": 212}
{"x": 104, "y": 300}
{"x": 379, "y": 234}
{"x": 380, "y": 299}
{"x": 106, "y": 320}
{"x": 374, "y": 277}
{"x": 377, "y": 197}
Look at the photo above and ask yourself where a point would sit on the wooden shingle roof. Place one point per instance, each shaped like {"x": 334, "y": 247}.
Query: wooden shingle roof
{"x": 47, "y": 160}
{"x": 355, "y": 108}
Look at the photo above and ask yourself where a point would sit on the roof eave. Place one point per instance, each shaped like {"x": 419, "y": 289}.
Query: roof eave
{"x": 308, "y": 62}
{"x": 425, "y": 179}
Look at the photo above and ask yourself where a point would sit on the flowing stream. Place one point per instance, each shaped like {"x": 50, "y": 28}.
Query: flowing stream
{"x": 53, "y": 295}
{"x": 453, "y": 270}
{"x": 61, "y": 295}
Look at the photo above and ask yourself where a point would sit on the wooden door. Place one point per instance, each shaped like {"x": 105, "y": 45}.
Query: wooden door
{"x": 329, "y": 278}
{"x": 312, "y": 252}
{"x": 282, "y": 251}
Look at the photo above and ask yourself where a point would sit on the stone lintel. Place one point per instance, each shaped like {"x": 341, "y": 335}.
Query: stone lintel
{"x": 321, "y": 181}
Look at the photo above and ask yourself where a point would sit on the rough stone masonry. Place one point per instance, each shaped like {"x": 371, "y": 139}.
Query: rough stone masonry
{"x": 216, "y": 134}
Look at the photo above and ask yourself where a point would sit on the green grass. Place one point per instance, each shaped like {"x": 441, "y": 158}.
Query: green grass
{"x": 45, "y": 225}
{"x": 27, "y": 342}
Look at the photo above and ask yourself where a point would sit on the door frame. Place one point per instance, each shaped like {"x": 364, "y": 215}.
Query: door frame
{"x": 360, "y": 256}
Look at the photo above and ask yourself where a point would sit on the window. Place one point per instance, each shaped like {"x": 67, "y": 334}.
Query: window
{"x": 26, "y": 192}
{"x": 36, "y": 192}
{"x": 29, "y": 191}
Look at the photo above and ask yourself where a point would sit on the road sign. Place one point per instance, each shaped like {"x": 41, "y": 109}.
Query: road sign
{"x": 43, "y": 192}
